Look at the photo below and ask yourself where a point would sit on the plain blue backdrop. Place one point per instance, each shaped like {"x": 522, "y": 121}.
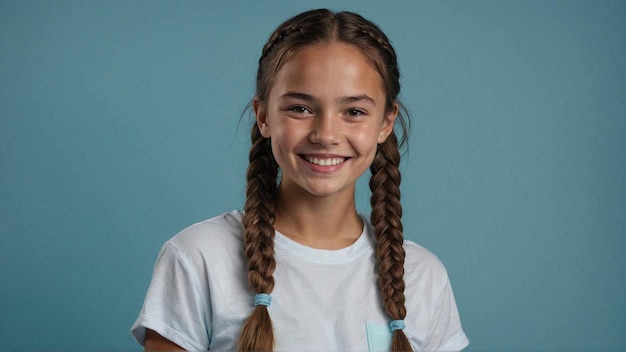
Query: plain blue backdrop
{"x": 119, "y": 126}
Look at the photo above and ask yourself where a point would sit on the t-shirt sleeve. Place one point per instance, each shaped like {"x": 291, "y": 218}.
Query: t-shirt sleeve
{"x": 176, "y": 306}
{"x": 445, "y": 331}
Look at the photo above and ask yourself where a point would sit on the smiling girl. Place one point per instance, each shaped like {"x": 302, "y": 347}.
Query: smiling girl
{"x": 299, "y": 268}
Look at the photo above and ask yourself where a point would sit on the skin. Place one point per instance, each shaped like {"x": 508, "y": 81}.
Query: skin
{"x": 156, "y": 342}
{"x": 327, "y": 103}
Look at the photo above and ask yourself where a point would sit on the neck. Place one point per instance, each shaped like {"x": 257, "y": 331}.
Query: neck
{"x": 318, "y": 222}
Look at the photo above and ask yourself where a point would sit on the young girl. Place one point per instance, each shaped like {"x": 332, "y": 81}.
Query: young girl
{"x": 300, "y": 268}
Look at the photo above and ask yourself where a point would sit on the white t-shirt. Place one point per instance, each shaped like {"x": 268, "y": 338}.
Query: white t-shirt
{"x": 323, "y": 300}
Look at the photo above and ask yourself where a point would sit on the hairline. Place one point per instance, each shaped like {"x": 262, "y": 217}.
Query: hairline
{"x": 282, "y": 60}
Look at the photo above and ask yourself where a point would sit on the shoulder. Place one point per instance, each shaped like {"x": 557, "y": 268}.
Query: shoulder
{"x": 217, "y": 235}
{"x": 417, "y": 255}
{"x": 422, "y": 264}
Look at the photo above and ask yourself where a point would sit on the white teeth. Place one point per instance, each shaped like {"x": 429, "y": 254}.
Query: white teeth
{"x": 324, "y": 161}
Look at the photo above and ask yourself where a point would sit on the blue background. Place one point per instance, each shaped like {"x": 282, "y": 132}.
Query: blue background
{"x": 119, "y": 127}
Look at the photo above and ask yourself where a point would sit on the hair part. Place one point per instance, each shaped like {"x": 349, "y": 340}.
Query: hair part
{"x": 307, "y": 29}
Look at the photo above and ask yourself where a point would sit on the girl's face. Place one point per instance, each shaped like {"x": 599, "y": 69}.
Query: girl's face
{"x": 325, "y": 114}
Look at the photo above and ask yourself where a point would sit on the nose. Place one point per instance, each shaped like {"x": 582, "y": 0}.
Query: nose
{"x": 326, "y": 130}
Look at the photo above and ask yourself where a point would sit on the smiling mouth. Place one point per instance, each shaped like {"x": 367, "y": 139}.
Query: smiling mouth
{"x": 324, "y": 161}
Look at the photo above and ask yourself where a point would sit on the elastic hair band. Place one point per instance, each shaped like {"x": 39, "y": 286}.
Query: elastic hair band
{"x": 262, "y": 299}
{"x": 396, "y": 325}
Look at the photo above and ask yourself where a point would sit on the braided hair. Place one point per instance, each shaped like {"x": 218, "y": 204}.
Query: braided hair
{"x": 307, "y": 29}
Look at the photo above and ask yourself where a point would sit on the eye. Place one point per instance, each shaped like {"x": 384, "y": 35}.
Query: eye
{"x": 298, "y": 109}
{"x": 355, "y": 112}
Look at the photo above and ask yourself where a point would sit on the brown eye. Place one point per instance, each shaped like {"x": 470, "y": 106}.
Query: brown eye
{"x": 355, "y": 112}
{"x": 298, "y": 109}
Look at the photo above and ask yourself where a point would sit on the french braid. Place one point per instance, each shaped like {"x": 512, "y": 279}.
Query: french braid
{"x": 258, "y": 220}
{"x": 301, "y": 30}
{"x": 385, "y": 201}
{"x": 385, "y": 217}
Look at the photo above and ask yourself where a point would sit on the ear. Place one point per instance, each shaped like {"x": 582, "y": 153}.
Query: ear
{"x": 386, "y": 127}
{"x": 261, "y": 117}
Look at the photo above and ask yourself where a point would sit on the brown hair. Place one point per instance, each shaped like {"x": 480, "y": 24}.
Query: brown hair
{"x": 307, "y": 29}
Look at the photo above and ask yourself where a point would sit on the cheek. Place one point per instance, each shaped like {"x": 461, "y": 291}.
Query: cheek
{"x": 284, "y": 139}
{"x": 366, "y": 139}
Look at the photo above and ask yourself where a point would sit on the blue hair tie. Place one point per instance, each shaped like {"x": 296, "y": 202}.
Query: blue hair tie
{"x": 262, "y": 299}
{"x": 396, "y": 325}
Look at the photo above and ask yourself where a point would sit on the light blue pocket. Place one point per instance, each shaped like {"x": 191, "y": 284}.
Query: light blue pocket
{"x": 378, "y": 337}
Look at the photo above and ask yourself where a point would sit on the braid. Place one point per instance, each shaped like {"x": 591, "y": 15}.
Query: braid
{"x": 276, "y": 38}
{"x": 387, "y": 67}
{"x": 385, "y": 217}
{"x": 295, "y": 32}
{"x": 258, "y": 220}
{"x": 382, "y": 40}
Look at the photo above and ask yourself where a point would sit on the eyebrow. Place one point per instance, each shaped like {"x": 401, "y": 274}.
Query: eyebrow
{"x": 349, "y": 100}
{"x": 300, "y": 96}
{"x": 341, "y": 100}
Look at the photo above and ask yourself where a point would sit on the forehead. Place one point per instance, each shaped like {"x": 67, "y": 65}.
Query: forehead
{"x": 330, "y": 68}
